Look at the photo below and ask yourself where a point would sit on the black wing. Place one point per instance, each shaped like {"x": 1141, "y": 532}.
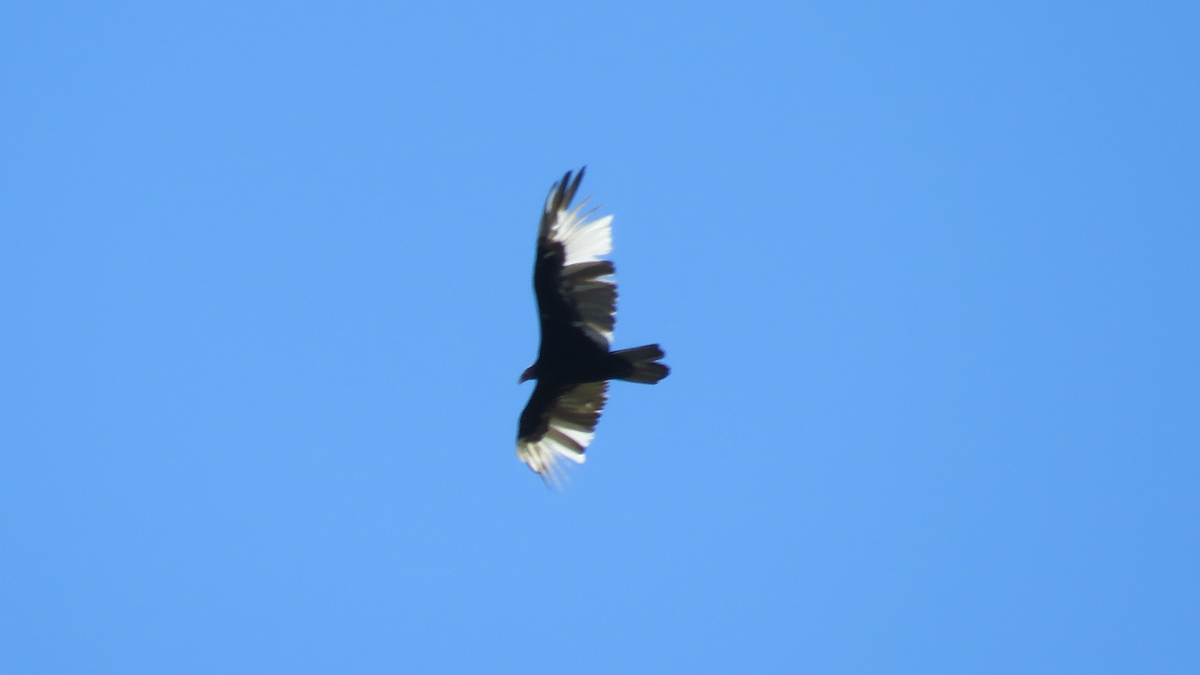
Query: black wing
{"x": 575, "y": 288}
{"x": 559, "y": 422}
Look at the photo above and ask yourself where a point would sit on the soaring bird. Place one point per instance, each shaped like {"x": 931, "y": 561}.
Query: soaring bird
{"x": 576, "y": 297}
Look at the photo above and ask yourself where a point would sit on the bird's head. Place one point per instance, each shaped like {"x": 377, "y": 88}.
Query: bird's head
{"x": 529, "y": 374}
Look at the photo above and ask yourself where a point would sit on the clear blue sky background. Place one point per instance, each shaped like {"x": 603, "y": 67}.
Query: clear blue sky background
{"x": 927, "y": 275}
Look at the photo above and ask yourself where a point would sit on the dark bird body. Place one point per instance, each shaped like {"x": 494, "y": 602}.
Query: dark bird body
{"x": 576, "y": 298}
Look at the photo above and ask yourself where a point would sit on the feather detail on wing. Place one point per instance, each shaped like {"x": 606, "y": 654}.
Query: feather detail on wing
{"x": 583, "y": 240}
{"x": 589, "y": 287}
{"x": 585, "y": 281}
{"x": 559, "y": 427}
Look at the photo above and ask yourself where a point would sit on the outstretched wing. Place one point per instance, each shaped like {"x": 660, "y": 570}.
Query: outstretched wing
{"x": 573, "y": 284}
{"x": 559, "y": 422}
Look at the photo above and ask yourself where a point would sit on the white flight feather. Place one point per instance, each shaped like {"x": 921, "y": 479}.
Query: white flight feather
{"x": 583, "y": 240}
{"x": 544, "y": 454}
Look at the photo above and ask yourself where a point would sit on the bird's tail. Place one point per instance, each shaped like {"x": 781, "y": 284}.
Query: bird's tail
{"x": 642, "y": 366}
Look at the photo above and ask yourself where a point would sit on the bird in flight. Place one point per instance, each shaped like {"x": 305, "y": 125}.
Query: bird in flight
{"x": 577, "y": 298}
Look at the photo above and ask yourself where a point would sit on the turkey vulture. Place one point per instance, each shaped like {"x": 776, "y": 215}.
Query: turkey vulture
{"x": 576, "y": 297}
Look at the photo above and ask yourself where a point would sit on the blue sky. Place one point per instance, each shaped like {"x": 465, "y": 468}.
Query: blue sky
{"x": 926, "y": 274}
